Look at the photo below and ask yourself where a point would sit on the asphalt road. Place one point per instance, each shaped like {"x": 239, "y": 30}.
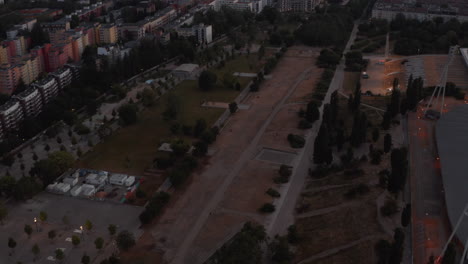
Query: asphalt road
{"x": 283, "y": 217}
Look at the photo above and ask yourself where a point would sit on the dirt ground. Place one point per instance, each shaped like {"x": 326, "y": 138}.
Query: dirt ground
{"x": 246, "y": 193}
{"x": 336, "y": 228}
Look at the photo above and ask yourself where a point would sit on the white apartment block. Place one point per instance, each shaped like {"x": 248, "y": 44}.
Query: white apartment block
{"x": 31, "y": 101}
{"x": 11, "y": 114}
{"x": 255, "y": 6}
{"x": 298, "y": 5}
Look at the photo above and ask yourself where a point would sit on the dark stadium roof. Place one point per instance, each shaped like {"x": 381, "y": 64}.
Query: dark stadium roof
{"x": 452, "y": 143}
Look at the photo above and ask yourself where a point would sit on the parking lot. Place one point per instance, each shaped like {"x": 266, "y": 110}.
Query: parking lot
{"x": 65, "y": 216}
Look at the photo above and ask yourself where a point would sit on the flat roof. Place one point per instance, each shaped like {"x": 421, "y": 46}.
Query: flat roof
{"x": 452, "y": 144}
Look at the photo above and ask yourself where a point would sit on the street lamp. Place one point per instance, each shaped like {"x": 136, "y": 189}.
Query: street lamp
{"x": 35, "y": 222}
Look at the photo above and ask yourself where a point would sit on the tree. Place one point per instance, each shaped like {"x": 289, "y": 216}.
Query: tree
{"x": 148, "y": 97}
{"x": 233, "y": 107}
{"x": 199, "y": 127}
{"x": 3, "y": 212}
{"x": 75, "y": 240}
{"x": 85, "y": 259}
{"x": 322, "y": 149}
{"x": 51, "y": 234}
{"x": 387, "y": 142}
{"x": 43, "y": 216}
{"x": 125, "y": 240}
{"x": 375, "y": 134}
{"x": 387, "y": 119}
{"x": 7, "y": 184}
{"x": 356, "y": 98}
{"x": 35, "y": 250}
{"x": 11, "y": 244}
{"x": 38, "y": 36}
{"x": 128, "y": 114}
{"x": 406, "y": 215}
{"x": 207, "y": 81}
{"x": 112, "y": 229}
{"x": 280, "y": 250}
{"x": 312, "y": 113}
{"x": 99, "y": 242}
{"x": 394, "y": 107}
{"x": 88, "y": 225}
{"x": 28, "y": 230}
{"x": 397, "y": 179}
{"x": 201, "y": 148}
{"x": 59, "y": 254}
{"x": 383, "y": 250}
{"x": 359, "y": 130}
{"x": 49, "y": 169}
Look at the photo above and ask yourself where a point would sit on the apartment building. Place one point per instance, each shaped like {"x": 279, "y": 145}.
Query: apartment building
{"x": 29, "y": 68}
{"x": 203, "y": 33}
{"x": 86, "y": 12}
{"x": 108, "y": 34}
{"x": 298, "y": 5}
{"x": 58, "y": 55}
{"x": 113, "y": 52}
{"x": 74, "y": 69}
{"x": 34, "y": 13}
{"x": 131, "y": 31}
{"x": 61, "y": 24}
{"x": 48, "y": 89}
{"x": 255, "y": 6}
{"x": 4, "y": 57}
{"x": 9, "y": 78}
{"x": 11, "y": 115}
{"x": 31, "y": 101}
{"x": 63, "y": 77}
{"x": 388, "y": 9}
{"x": 151, "y": 24}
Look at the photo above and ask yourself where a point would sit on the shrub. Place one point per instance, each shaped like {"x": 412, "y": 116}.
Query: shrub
{"x": 267, "y": 208}
{"x": 296, "y": 141}
{"x": 389, "y": 208}
{"x": 154, "y": 207}
{"x": 273, "y": 193}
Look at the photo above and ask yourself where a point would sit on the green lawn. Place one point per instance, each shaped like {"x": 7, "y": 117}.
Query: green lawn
{"x": 139, "y": 142}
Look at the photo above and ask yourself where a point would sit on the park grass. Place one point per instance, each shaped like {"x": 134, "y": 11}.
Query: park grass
{"x": 239, "y": 64}
{"x": 132, "y": 149}
{"x": 139, "y": 142}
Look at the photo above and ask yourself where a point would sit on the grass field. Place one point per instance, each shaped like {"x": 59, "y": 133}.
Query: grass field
{"x": 138, "y": 143}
